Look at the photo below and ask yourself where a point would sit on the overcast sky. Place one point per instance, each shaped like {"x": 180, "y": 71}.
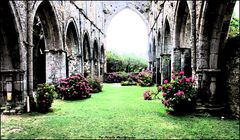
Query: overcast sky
{"x": 236, "y": 9}
{"x": 127, "y": 33}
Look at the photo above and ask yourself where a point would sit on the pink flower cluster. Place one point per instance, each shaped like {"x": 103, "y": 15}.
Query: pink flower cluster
{"x": 173, "y": 91}
{"x": 179, "y": 93}
{"x": 74, "y": 86}
{"x": 147, "y": 95}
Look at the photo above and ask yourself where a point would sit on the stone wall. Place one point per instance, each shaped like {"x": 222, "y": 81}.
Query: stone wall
{"x": 230, "y": 75}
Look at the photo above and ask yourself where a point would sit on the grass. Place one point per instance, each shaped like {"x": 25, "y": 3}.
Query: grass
{"x": 117, "y": 112}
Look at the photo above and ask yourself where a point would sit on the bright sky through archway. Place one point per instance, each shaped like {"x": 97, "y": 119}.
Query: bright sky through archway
{"x": 127, "y": 34}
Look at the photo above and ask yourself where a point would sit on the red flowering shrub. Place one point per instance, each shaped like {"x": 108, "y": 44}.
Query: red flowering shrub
{"x": 74, "y": 87}
{"x": 145, "y": 78}
{"x": 180, "y": 93}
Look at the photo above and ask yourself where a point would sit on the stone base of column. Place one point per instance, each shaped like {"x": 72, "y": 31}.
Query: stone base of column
{"x": 207, "y": 102}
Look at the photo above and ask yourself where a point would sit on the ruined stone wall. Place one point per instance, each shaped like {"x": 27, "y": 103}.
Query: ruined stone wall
{"x": 51, "y": 32}
{"x": 230, "y": 60}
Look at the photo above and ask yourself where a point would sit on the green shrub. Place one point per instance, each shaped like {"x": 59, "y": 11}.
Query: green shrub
{"x": 145, "y": 78}
{"x": 95, "y": 84}
{"x": 74, "y": 87}
{"x": 45, "y": 94}
{"x": 128, "y": 83}
{"x": 179, "y": 94}
{"x": 125, "y": 63}
{"x": 234, "y": 27}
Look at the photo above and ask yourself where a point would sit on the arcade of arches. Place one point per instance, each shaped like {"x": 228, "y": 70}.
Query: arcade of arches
{"x": 42, "y": 41}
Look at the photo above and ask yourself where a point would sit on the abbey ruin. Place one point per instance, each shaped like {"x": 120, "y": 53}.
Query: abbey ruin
{"x": 42, "y": 41}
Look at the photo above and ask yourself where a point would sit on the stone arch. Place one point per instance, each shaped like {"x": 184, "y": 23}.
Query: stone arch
{"x": 131, "y": 7}
{"x": 183, "y": 38}
{"x": 211, "y": 31}
{"x": 183, "y": 26}
{"x": 46, "y": 14}
{"x": 211, "y": 35}
{"x": 95, "y": 57}
{"x": 154, "y": 49}
{"x": 46, "y": 42}
{"x": 10, "y": 55}
{"x": 167, "y": 43}
{"x": 159, "y": 37}
{"x": 86, "y": 54}
{"x": 72, "y": 48}
{"x": 102, "y": 59}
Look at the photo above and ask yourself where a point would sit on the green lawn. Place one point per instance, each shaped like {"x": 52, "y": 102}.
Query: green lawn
{"x": 116, "y": 112}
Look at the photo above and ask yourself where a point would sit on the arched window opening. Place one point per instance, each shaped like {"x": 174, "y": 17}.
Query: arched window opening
{"x": 183, "y": 26}
{"x": 10, "y": 81}
{"x": 95, "y": 57}
{"x": 86, "y": 55}
{"x": 72, "y": 48}
{"x": 167, "y": 39}
{"x": 127, "y": 34}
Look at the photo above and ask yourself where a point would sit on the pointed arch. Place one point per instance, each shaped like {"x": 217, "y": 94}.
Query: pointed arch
{"x": 102, "y": 60}
{"x": 9, "y": 39}
{"x": 183, "y": 26}
{"x": 95, "y": 56}
{"x": 72, "y": 48}
{"x": 46, "y": 15}
{"x": 46, "y": 40}
{"x": 11, "y": 59}
{"x": 86, "y": 54}
{"x": 130, "y": 7}
{"x": 167, "y": 43}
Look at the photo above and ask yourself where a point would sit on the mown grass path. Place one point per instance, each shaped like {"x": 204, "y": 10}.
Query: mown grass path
{"x": 117, "y": 112}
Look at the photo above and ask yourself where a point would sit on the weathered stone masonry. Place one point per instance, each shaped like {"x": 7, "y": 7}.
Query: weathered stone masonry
{"x": 42, "y": 41}
{"x": 188, "y": 36}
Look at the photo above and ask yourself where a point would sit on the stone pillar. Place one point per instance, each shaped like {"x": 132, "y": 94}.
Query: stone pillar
{"x": 158, "y": 74}
{"x": 186, "y": 61}
{"x": 176, "y": 59}
{"x": 207, "y": 85}
{"x": 98, "y": 69}
{"x": 91, "y": 66}
{"x": 150, "y": 65}
{"x": 166, "y": 67}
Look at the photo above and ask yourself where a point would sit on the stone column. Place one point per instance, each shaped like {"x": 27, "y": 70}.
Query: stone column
{"x": 166, "y": 67}
{"x": 158, "y": 74}
{"x": 186, "y": 61}
{"x": 91, "y": 66}
{"x": 98, "y": 69}
{"x": 176, "y": 59}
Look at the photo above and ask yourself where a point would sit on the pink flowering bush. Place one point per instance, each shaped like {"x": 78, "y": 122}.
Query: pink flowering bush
{"x": 149, "y": 95}
{"x": 74, "y": 87}
{"x": 145, "y": 78}
{"x": 180, "y": 93}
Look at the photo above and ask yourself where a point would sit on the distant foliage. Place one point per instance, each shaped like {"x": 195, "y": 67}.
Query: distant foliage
{"x": 125, "y": 63}
{"x": 74, "y": 87}
{"x": 95, "y": 84}
{"x": 234, "y": 27}
{"x": 128, "y": 83}
{"x": 115, "y": 77}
